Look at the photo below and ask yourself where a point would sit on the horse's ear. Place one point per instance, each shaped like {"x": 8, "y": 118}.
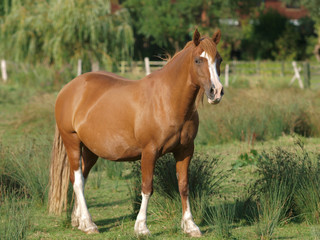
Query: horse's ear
{"x": 216, "y": 36}
{"x": 196, "y": 37}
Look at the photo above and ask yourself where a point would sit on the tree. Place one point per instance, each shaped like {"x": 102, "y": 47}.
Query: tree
{"x": 261, "y": 38}
{"x": 313, "y": 7}
{"x": 61, "y": 32}
{"x": 170, "y": 23}
{"x": 286, "y": 45}
{"x": 4, "y": 7}
{"x": 165, "y": 23}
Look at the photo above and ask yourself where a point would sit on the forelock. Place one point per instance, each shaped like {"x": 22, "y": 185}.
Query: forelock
{"x": 209, "y": 47}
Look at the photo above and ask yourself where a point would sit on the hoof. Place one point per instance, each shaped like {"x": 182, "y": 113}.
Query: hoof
{"x": 92, "y": 231}
{"x": 190, "y": 228}
{"x": 143, "y": 233}
{"x": 75, "y": 222}
{"x": 194, "y": 233}
{"x": 140, "y": 228}
{"x": 88, "y": 227}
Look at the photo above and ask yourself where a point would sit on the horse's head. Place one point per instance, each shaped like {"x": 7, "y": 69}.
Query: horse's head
{"x": 205, "y": 68}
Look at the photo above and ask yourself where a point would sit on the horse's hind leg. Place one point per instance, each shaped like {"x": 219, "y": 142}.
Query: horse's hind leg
{"x": 183, "y": 157}
{"x": 88, "y": 161}
{"x": 73, "y": 147}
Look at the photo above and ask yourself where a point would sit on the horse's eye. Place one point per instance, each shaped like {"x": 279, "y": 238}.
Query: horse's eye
{"x": 198, "y": 60}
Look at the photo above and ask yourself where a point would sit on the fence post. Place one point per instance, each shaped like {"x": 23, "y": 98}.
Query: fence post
{"x": 79, "y": 69}
{"x": 147, "y": 65}
{"x": 296, "y": 75}
{"x": 123, "y": 67}
{"x": 4, "y": 70}
{"x": 226, "y": 78}
{"x": 282, "y": 69}
{"x": 306, "y": 74}
{"x": 258, "y": 66}
{"x": 94, "y": 66}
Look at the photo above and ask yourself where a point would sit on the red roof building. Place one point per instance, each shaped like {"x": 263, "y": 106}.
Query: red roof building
{"x": 291, "y": 11}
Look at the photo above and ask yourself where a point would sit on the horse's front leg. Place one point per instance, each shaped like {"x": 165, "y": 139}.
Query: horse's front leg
{"x": 183, "y": 158}
{"x": 148, "y": 160}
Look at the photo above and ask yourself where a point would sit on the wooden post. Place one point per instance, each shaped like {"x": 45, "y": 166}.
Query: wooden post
{"x": 226, "y": 76}
{"x": 147, "y": 65}
{"x": 79, "y": 69}
{"x": 94, "y": 66}
{"x": 282, "y": 69}
{"x": 296, "y": 75}
{"x": 4, "y": 70}
{"x": 306, "y": 74}
{"x": 123, "y": 67}
{"x": 258, "y": 67}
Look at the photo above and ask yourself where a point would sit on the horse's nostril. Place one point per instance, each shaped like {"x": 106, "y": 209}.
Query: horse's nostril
{"x": 222, "y": 92}
{"x": 211, "y": 90}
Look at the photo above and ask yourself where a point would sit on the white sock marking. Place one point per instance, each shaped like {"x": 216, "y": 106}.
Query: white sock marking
{"x": 78, "y": 188}
{"x": 85, "y": 222}
{"x": 140, "y": 226}
{"x": 188, "y": 224}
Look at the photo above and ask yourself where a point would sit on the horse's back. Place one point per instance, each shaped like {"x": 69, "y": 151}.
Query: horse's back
{"x": 87, "y": 89}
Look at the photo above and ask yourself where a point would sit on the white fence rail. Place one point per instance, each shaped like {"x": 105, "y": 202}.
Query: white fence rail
{"x": 300, "y": 71}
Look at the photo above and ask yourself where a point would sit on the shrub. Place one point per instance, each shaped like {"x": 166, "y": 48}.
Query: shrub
{"x": 288, "y": 186}
{"x": 134, "y": 185}
{"x": 254, "y": 114}
{"x": 307, "y": 195}
{"x": 272, "y": 207}
{"x": 204, "y": 182}
{"x": 25, "y": 169}
{"x": 15, "y": 215}
{"x": 221, "y": 217}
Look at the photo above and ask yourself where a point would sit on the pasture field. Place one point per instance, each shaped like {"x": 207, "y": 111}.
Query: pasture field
{"x": 246, "y": 137}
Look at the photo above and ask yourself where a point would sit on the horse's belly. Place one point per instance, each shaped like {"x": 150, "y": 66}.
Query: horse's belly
{"x": 111, "y": 145}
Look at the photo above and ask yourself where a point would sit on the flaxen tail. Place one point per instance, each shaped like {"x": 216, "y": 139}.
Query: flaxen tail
{"x": 59, "y": 176}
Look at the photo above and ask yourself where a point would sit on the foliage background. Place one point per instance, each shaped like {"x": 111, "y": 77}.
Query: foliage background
{"x": 60, "y": 32}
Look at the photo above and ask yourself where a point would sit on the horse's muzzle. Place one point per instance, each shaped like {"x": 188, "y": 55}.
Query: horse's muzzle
{"x": 215, "y": 95}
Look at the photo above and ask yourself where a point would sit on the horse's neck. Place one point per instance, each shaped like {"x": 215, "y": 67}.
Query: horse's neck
{"x": 177, "y": 80}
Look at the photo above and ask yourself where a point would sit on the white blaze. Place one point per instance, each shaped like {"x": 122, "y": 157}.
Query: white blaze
{"x": 214, "y": 78}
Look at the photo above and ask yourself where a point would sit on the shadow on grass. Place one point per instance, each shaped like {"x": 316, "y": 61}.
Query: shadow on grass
{"x": 105, "y": 225}
{"x": 107, "y": 204}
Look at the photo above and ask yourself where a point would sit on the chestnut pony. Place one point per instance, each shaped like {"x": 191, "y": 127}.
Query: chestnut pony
{"x": 102, "y": 114}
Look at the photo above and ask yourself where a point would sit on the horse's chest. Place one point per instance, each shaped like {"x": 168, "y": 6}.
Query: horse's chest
{"x": 183, "y": 137}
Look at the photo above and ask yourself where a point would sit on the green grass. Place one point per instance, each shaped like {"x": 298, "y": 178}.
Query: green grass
{"x": 256, "y": 114}
{"x": 221, "y": 218}
{"x": 272, "y": 207}
{"x": 247, "y": 123}
{"x": 16, "y": 220}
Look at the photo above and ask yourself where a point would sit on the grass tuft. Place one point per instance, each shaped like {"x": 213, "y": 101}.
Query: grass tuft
{"x": 221, "y": 217}
{"x": 272, "y": 207}
{"x": 25, "y": 168}
{"x": 16, "y": 215}
{"x": 257, "y": 114}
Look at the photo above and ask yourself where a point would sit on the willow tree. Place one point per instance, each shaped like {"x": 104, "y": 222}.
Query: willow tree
{"x": 62, "y": 32}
